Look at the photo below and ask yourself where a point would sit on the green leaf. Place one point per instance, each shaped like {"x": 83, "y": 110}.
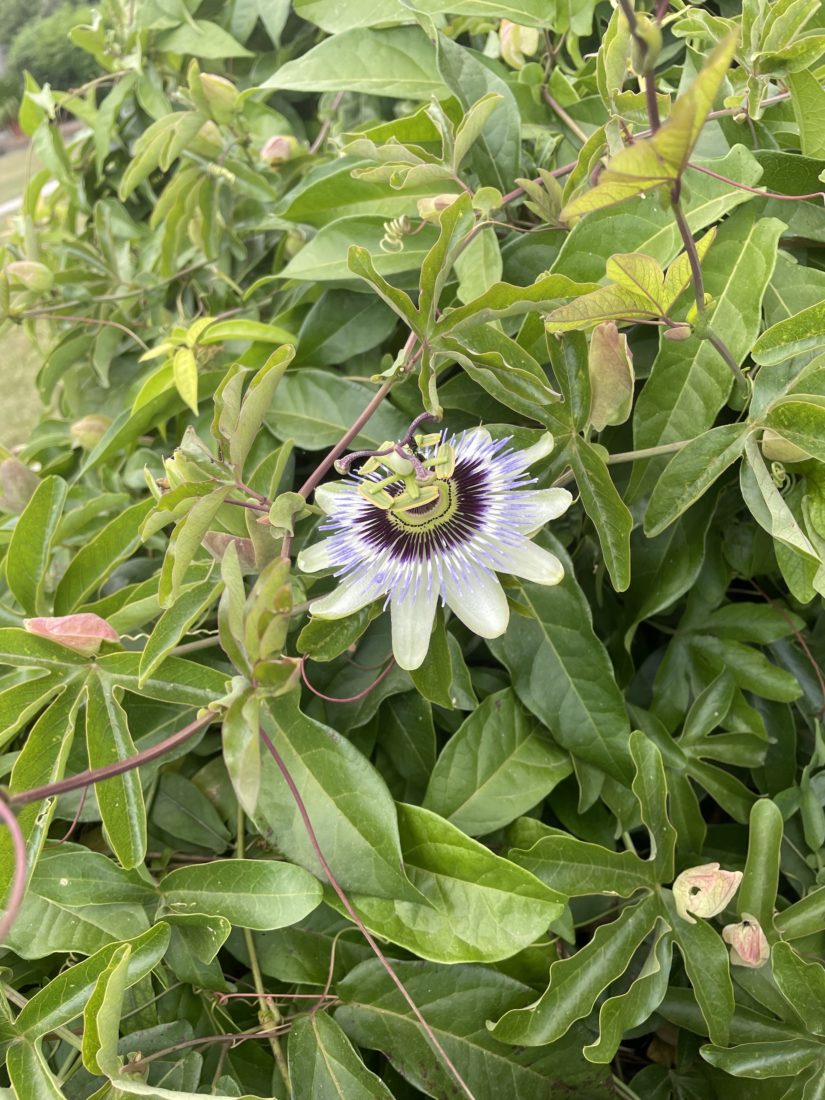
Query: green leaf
{"x": 622, "y": 1013}
{"x": 605, "y": 507}
{"x": 575, "y": 983}
{"x": 396, "y": 61}
{"x": 42, "y": 760}
{"x": 506, "y": 300}
{"x": 348, "y": 804}
{"x": 576, "y": 867}
{"x": 120, "y": 798}
{"x": 64, "y": 997}
{"x": 690, "y": 382}
{"x": 202, "y": 38}
{"x": 220, "y": 332}
{"x": 801, "y": 422}
{"x": 250, "y": 893}
{"x": 661, "y": 158}
{"x": 455, "y": 1001}
{"x": 175, "y": 621}
{"x": 101, "y": 1016}
{"x": 30, "y": 546}
{"x": 183, "y": 811}
{"x": 496, "y": 154}
{"x": 29, "y": 1073}
{"x": 324, "y": 258}
{"x": 175, "y": 680}
{"x": 324, "y": 1064}
{"x": 257, "y": 402}
{"x": 783, "y": 1058}
{"x": 498, "y": 765}
{"x": 185, "y": 377}
{"x": 706, "y": 962}
{"x": 799, "y": 333}
{"x": 326, "y": 639}
{"x": 768, "y": 506}
{"x": 315, "y": 408}
{"x": 476, "y": 906}
{"x": 360, "y": 263}
{"x": 757, "y": 892}
{"x": 650, "y": 788}
{"x": 333, "y": 17}
{"x": 561, "y": 672}
{"x": 98, "y": 559}
{"x": 802, "y": 984}
{"x": 641, "y": 226}
{"x": 691, "y": 472}
{"x": 186, "y": 541}
{"x": 808, "y": 101}
{"x": 804, "y": 917}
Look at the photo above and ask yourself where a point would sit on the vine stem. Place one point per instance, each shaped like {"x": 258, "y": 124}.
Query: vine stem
{"x": 631, "y": 456}
{"x": 362, "y": 928}
{"x": 557, "y": 109}
{"x": 649, "y": 76}
{"x": 97, "y": 775}
{"x": 699, "y": 288}
{"x": 755, "y": 190}
{"x": 18, "y": 882}
{"x": 267, "y": 1009}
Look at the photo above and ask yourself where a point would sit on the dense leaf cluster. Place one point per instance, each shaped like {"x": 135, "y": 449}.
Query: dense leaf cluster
{"x": 284, "y": 228}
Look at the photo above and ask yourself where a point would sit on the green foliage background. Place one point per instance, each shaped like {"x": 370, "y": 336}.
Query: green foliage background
{"x": 214, "y": 310}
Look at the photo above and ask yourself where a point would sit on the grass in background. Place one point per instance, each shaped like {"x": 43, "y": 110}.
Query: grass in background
{"x": 19, "y": 362}
{"x": 20, "y": 405}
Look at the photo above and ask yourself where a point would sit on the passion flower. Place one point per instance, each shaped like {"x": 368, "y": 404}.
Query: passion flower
{"x": 435, "y": 519}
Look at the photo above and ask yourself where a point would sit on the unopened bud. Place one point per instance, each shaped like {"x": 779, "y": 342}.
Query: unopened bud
{"x": 84, "y": 633}
{"x": 704, "y": 891}
{"x": 89, "y": 430}
{"x": 29, "y": 274}
{"x": 517, "y": 43}
{"x": 748, "y": 943}
{"x": 430, "y": 208}
{"x": 679, "y": 331}
{"x": 280, "y": 148}
{"x": 221, "y": 96}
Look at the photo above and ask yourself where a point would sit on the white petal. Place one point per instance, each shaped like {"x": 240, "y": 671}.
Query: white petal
{"x": 315, "y": 557}
{"x": 348, "y": 597}
{"x": 412, "y": 624}
{"x": 327, "y": 495}
{"x": 543, "y": 505}
{"x": 539, "y": 450}
{"x": 532, "y": 563}
{"x": 479, "y": 602}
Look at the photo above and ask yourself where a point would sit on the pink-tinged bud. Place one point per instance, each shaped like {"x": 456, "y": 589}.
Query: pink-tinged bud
{"x": 704, "y": 891}
{"x": 84, "y": 633}
{"x": 748, "y": 943}
{"x": 17, "y": 484}
{"x": 678, "y": 331}
{"x": 280, "y": 148}
{"x": 429, "y": 208}
{"x": 517, "y": 41}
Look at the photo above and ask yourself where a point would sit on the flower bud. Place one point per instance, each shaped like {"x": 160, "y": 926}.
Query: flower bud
{"x": 748, "y": 943}
{"x": 83, "y": 633}
{"x": 430, "y": 207}
{"x": 704, "y": 891}
{"x": 679, "y": 331}
{"x": 280, "y": 148}
{"x": 31, "y": 275}
{"x": 517, "y": 43}
{"x": 89, "y": 430}
{"x": 221, "y": 96}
